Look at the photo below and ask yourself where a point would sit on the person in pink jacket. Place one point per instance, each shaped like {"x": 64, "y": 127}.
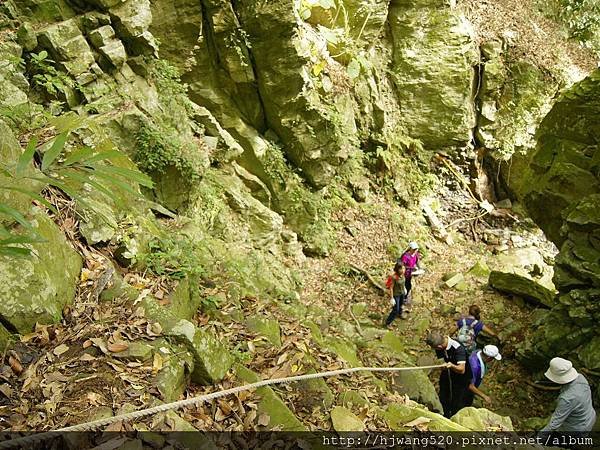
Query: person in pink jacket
{"x": 410, "y": 260}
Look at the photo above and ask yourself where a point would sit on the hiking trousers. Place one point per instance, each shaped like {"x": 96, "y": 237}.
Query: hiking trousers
{"x": 396, "y": 309}
{"x": 453, "y": 392}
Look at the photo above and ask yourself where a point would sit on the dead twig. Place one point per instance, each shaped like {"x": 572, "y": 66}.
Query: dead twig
{"x": 373, "y": 281}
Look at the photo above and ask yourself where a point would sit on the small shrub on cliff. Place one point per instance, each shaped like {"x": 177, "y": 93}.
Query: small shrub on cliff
{"x": 173, "y": 255}
{"x": 155, "y": 152}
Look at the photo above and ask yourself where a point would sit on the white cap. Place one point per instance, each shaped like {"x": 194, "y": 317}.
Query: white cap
{"x": 492, "y": 351}
{"x": 561, "y": 371}
{"x": 413, "y": 245}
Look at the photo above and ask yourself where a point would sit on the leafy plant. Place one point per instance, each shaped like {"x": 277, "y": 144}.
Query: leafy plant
{"x": 156, "y": 152}
{"x": 47, "y": 77}
{"x": 54, "y": 166}
{"x": 174, "y": 256}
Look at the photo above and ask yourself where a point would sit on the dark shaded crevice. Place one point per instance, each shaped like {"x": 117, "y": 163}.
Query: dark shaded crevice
{"x": 6, "y": 324}
{"x": 253, "y": 65}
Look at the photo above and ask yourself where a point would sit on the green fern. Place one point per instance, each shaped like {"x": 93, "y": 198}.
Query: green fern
{"x": 62, "y": 171}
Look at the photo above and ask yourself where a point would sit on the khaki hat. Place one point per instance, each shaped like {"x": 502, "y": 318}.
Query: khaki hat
{"x": 561, "y": 371}
{"x": 492, "y": 351}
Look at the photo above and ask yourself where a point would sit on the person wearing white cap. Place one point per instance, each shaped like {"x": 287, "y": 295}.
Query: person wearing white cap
{"x": 478, "y": 362}
{"x": 574, "y": 410}
{"x": 410, "y": 260}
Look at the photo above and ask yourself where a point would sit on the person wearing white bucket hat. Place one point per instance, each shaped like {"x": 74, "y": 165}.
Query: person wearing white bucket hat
{"x": 478, "y": 361}
{"x": 574, "y": 411}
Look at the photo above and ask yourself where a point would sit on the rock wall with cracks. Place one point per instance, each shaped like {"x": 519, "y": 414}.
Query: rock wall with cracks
{"x": 256, "y": 119}
{"x": 564, "y": 200}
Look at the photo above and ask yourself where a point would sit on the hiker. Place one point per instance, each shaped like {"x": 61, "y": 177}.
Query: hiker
{"x": 397, "y": 290}
{"x": 574, "y": 411}
{"x": 478, "y": 362}
{"x": 455, "y": 378}
{"x": 410, "y": 259}
{"x": 469, "y": 327}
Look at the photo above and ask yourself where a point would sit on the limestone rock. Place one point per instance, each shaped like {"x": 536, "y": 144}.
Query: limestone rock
{"x": 26, "y": 37}
{"x": 325, "y": 137}
{"x": 67, "y": 45}
{"x": 102, "y": 36}
{"x": 37, "y": 288}
{"x": 345, "y": 420}
{"x": 398, "y": 415}
{"x": 212, "y": 360}
{"x": 271, "y": 405}
{"x": 434, "y": 53}
{"x": 522, "y": 286}
{"x": 269, "y": 328}
{"x": 482, "y": 420}
{"x": 132, "y": 19}
{"x": 418, "y": 387}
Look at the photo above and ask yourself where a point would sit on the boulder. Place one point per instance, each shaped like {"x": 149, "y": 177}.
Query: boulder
{"x": 131, "y": 19}
{"x": 67, "y": 45}
{"x": 269, "y": 328}
{"x": 398, "y": 416}
{"x": 482, "y": 420}
{"x": 345, "y": 420}
{"x": 528, "y": 288}
{"x": 212, "y": 360}
{"x": 417, "y": 385}
{"x": 280, "y": 417}
{"x": 102, "y": 36}
{"x": 35, "y": 289}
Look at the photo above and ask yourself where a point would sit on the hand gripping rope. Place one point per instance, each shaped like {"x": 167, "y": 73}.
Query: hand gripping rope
{"x": 97, "y": 424}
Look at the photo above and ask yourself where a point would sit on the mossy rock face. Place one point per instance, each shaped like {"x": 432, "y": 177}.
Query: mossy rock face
{"x": 318, "y": 134}
{"x": 317, "y": 391}
{"x": 269, "y": 328}
{"x": 561, "y": 191}
{"x": 10, "y": 151}
{"x": 171, "y": 380}
{"x": 397, "y": 416}
{"x": 281, "y": 417}
{"x": 36, "y": 288}
{"x": 522, "y": 286}
{"x": 212, "y": 359}
{"x": 417, "y": 385}
{"x": 434, "y": 55}
{"x": 344, "y": 349}
{"x": 482, "y": 420}
{"x": 5, "y": 337}
{"x": 345, "y": 420}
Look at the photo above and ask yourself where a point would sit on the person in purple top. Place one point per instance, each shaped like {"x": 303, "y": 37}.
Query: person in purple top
{"x": 410, "y": 260}
{"x": 478, "y": 362}
{"x": 474, "y": 319}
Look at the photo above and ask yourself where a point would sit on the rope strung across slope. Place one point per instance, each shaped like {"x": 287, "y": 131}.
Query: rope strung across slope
{"x": 97, "y": 424}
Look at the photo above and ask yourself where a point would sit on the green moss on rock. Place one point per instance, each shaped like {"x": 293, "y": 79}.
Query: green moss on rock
{"x": 36, "y": 288}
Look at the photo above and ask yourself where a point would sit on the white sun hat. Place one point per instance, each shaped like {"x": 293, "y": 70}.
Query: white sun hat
{"x": 413, "y": 245}
{"x": 492, "y": 351}
{"x": 561, "y": 371}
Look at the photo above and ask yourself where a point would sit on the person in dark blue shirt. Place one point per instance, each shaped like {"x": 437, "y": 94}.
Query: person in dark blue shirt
{"x": 478, "y": 362}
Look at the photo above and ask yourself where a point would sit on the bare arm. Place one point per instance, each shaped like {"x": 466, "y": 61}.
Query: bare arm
{"x": 457, "y": 368}
{"x": 489, "y": 331}
{"x": 475, "y": 390}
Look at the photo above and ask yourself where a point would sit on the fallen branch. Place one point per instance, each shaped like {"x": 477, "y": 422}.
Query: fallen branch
{"x": 373, "y": 281}
{"x": 542, "y": 386}
{"x": 590, "y": 372}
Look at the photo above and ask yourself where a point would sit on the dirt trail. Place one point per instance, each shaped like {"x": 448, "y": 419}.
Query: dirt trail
{"x": 369, "y": 239}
